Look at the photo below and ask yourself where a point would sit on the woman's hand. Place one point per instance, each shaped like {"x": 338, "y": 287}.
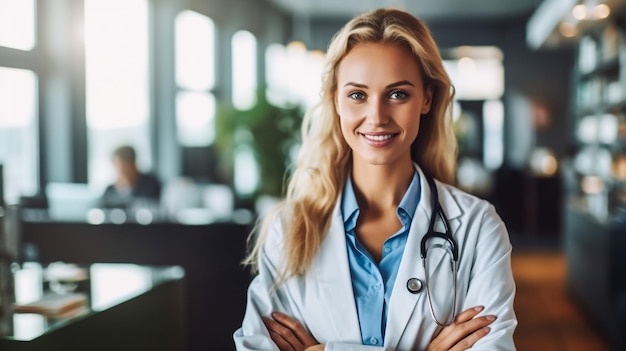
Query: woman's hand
{"x": 289, "y": 335}
{"x": 464, "y": 332}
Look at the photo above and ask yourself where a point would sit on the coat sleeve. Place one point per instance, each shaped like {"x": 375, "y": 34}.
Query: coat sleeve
{"x": 264, "y": 298}
{"x": 491, "y": 282}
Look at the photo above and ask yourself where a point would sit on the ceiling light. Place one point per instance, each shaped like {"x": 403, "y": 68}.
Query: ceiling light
{"x": 466, "y": 64}
{"x": 568, "y": 30}
{"x": 601, "y": 11}
{"x": 579, "y": 12}
{"x": 592, "y": 185}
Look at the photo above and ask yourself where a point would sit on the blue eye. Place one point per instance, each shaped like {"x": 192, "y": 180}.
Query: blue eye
{"x": 356, "y": 95}
{"x": 398, "y": 95}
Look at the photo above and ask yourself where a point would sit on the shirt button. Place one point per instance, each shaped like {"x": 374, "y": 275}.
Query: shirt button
{"x": 378, "y": 285}
{"x": 387, "y": 249}
{"x": 373, "y": 341}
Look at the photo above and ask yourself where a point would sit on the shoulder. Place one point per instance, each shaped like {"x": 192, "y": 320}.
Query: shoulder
{"x": 148, "y": 177}
{"x": 469, "y": 204}
{"x": 463, "y": 197}
{"x": 482, "y": 225}
{"x": 272, "y": 233}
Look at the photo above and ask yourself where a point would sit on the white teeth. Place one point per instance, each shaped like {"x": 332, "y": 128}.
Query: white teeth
{"x": 378, "y": 137}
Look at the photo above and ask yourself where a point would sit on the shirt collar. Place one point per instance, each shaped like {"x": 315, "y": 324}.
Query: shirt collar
{"x": 349, "y": 206}
{"x": 411, "y": 198}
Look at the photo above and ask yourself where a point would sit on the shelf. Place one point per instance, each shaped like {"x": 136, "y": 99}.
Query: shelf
{"x": 608, "y": 68}
{"x": 602, "y": 108}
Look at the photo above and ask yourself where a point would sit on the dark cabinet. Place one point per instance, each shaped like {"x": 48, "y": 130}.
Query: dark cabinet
{"x": 596, "y": 272}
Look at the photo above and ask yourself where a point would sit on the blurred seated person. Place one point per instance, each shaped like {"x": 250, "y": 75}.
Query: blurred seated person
{"x": 131, "y": 184}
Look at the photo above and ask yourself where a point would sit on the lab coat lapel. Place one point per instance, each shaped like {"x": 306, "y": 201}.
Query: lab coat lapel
{"x": 403, "y": 303}
{"x": 336, "y": 284}
{"x": 451, "y": 208}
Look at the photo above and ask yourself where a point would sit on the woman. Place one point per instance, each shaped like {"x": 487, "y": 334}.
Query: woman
{"x": 339, "y": 261}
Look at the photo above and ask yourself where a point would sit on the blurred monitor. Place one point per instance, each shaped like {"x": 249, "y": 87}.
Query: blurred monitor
{"x": 70, "y": 201}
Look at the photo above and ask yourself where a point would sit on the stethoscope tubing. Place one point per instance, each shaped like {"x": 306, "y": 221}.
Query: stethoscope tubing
{"x": 452, "y": 249}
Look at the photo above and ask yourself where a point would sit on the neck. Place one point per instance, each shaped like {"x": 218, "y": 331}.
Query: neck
{"x": 381, "y": 186}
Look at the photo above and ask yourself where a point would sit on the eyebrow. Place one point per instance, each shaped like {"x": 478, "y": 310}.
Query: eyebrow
{"x": 392, "y": 85}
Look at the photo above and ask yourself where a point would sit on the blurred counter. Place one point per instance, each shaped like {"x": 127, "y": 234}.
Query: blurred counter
{"x": 96, "y": 307}
{"x": 210, "y": 254}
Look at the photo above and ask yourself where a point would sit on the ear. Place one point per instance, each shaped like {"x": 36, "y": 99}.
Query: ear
{"x": 428, "y": 99}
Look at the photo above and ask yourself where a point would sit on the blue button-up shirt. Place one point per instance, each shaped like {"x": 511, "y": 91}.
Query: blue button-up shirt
{"x": 372, "y": 283}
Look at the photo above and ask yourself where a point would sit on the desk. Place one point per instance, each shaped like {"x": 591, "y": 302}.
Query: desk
{"x": 129, "y": 307}
{"x": 215, "y": 281}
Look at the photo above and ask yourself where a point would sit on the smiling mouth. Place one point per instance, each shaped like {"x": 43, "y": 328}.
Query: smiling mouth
{"x": 381, "y": 137}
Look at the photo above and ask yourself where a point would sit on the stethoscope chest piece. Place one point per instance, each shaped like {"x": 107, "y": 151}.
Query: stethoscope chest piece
{"x": 414, "y": 285}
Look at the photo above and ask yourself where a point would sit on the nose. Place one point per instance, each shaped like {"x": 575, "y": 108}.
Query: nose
{"x": 377, "y": 113}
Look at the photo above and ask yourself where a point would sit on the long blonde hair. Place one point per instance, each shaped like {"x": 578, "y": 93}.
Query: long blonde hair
{"x": 323, "y": 163}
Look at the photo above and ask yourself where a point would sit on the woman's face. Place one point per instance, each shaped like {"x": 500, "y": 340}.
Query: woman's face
{"x": 380, "y": 98}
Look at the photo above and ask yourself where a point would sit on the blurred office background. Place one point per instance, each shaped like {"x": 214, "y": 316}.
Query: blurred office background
{"x": 210, "y": 94}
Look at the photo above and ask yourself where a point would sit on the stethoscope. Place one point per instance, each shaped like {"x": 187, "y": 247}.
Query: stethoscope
{"x": 414, "y": 285}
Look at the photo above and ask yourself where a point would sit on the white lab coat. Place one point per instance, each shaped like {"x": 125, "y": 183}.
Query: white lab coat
{"x": 323, "y": 299}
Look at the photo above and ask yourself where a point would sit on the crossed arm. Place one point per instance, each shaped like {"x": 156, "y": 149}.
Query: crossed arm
{"x": 289, "y": 335}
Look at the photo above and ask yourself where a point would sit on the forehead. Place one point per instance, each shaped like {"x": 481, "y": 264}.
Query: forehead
{"x": 378, "y": 62}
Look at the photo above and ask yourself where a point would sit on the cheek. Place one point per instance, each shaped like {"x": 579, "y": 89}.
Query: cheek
{"x": 412, "y": 125}
{"x": 350, "y": 113}
{"x": 346, "y": 127}
{"x": 417, "y": 128}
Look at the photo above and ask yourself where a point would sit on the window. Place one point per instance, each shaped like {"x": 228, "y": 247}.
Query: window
{"x": 244, "y": 70}
{"x": 117, "y": 83}
{"x": 18, "y": 132}
{"x": 18, "y": 104}
{"x": 293, "y": 74}
{"x": 194, "y": 118}
{"x": 493, "y": 117}
{"x": 195, "y": 76}
{"x": 17, "y": 24}
{"x": 478, "y": 77}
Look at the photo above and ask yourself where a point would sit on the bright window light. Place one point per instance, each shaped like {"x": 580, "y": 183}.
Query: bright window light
{"x": 476, "y": 72}
{"x": 116, "y": 63}
{"x": 17, "y": 95}
{"x": 493, "y": 144}
{"x": 117, "y": 84}
{"x": 293, "y": 74}
{"x": 276, "y": 79}
{"x": 244, "y": 70}
{"x": 476, "y": 79}
{"x": 18, "y": 132}
{"x": 247, "y": 173}
{"x": 195, "y": 118}
{"x": 17, "y": 24}
{"x": 195, "y": 51}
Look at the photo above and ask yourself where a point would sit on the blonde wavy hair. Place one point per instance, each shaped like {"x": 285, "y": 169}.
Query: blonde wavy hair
{"x": 324, "y": 160}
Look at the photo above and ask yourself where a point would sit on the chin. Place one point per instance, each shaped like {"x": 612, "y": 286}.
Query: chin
{"x": 382, "y": 159}
{"x": 377, "y": 161}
